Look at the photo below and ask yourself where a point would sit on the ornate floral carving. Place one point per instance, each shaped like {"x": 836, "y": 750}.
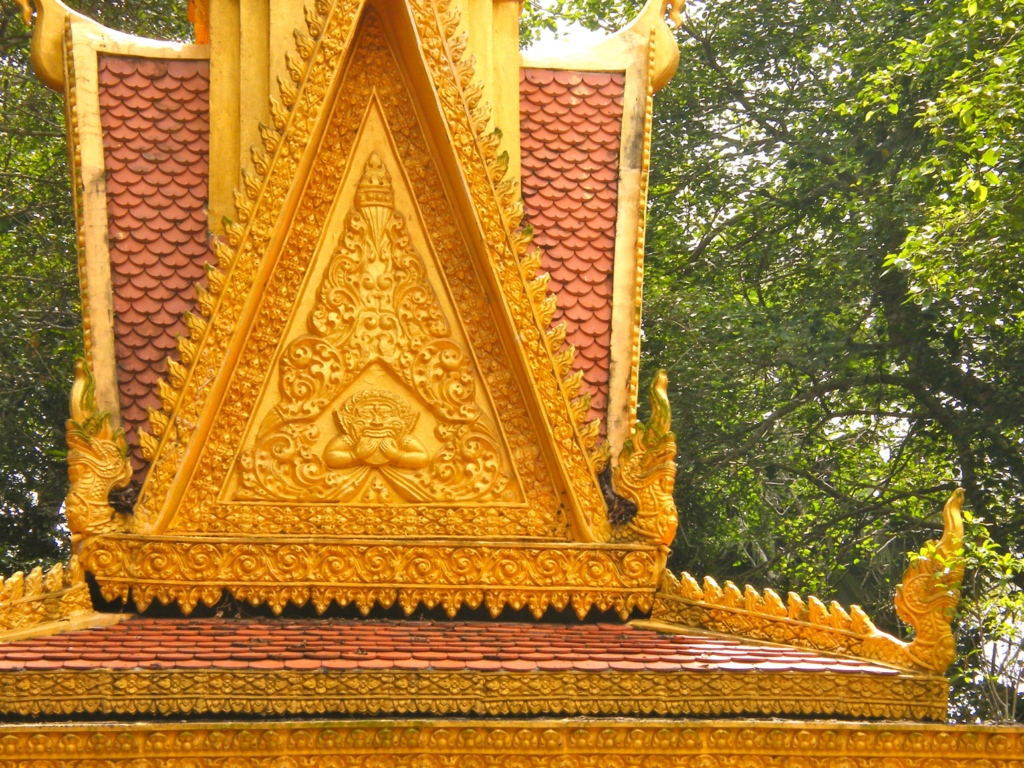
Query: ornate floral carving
{"x": 176, "y": 692}
{"x": 376, "y": 306}
{"x": 58, "y": 594}
{"x": 522, "y": 743}
{"x": 374, "y": 77}
{"x": 645, "y": 472}
{"x": 97, "y": 462}
{"x": 260, "y": 201}
{"x": 926, "y": 599}
{"x": 450, "y": 574}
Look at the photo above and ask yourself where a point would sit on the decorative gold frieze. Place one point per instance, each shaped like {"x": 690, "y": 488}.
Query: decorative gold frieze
{"x": 97, "y": 462}
{"x": 526, "y": 743}
{"x": 364, "y": 572}
{"x": 437, "y": 692}
{"x": 926, "y": 599}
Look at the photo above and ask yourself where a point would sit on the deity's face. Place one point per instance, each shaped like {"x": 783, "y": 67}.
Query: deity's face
{"x": 378, "y": 419}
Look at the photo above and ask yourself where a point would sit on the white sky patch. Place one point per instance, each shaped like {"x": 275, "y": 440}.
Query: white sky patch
{"x": 570, "y": 38}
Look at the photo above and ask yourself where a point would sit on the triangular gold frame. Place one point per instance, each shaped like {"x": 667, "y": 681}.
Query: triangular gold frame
{"x": 156, "y": 558}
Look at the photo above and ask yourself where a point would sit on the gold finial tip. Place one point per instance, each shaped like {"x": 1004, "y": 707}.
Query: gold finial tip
{"x": 375, "y": 185}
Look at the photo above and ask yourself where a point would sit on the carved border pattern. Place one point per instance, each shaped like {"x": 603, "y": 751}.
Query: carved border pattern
{"x": 377, "y": 76}
{"x": 379, "y": 692}
{"x": 204, "y": 352}
{"x": 363, "y": 572}
{"x": 512, "y": 744}
{"x": 500, "y": 211}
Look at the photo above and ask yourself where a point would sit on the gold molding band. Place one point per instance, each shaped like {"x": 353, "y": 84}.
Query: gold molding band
{"x": 366, "y": 571}
{"x": 437, "y": 692}
{"x": 518, "y": 743}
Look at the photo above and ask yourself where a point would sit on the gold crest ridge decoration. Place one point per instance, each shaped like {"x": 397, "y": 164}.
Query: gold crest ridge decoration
{"x": 58, "y": 594}
{"x": 926, "y": 599}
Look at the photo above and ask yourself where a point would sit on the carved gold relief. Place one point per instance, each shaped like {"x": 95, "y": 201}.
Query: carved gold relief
{"x": 56, "y": 595}
{"x": 497, "y": 202}
{"x": 97, "y": 462}
{"x": 450, "y": 574}
{"x": 926, "y": 599}
{"x": 529, "y": 305}
{"x": 508, "y": 743}
{"x": 465, "y": 503}
{"x": 177, "y": 692}
{"x": 645, "y": 473}
{"x": 376, "y": 307}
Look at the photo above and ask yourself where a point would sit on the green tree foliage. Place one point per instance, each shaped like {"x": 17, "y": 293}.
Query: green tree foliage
{"x": 833, "y": 283}
{"x": 40, "y": 323}
{"x": 991, "y": 629}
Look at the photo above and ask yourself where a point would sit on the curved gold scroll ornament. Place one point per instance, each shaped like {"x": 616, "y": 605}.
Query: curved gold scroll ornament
{"x": 97, "y": 461}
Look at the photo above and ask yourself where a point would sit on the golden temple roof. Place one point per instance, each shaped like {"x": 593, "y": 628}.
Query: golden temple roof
{"x": 386, "y": 363}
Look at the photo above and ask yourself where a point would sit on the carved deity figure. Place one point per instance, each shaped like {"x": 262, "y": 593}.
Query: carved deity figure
{"x": 375, "y": 434}
{"x": 375, "y": 308}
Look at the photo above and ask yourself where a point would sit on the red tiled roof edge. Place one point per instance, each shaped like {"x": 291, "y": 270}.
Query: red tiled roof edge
{"x": 171, "y": 666}
{"x": 155, "y": 119}
{"x": 570, "y": 131}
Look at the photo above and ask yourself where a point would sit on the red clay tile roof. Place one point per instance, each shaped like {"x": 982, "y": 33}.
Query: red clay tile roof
{"x": 155, "y": 118}
{"x": 570, "y": 124}
{"x": 363, "y": 645}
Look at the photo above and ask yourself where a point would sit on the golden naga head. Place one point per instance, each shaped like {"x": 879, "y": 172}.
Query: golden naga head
{"x": 930, "y": 592}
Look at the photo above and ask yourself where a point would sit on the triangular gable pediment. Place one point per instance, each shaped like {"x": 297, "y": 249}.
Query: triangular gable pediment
{"x": 519, "y": 470}
{"x": 372, "y": 406}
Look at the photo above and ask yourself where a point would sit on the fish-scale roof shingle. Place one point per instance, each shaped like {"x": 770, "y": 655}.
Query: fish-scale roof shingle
{"x": 155, "y": 119}
{"x": 570, "y": 123}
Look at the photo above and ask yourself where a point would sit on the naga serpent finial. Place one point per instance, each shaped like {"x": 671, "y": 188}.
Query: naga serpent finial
{"x": 930, "y": 592}
{"x": 97, "y": 461}
{"x": 926, "y": 599}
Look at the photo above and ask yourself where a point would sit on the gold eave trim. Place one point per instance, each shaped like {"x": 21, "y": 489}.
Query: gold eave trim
{"x": 367, "y": 571}
{"x": 535, "y": 742}
{"x": 391, "y": 692}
